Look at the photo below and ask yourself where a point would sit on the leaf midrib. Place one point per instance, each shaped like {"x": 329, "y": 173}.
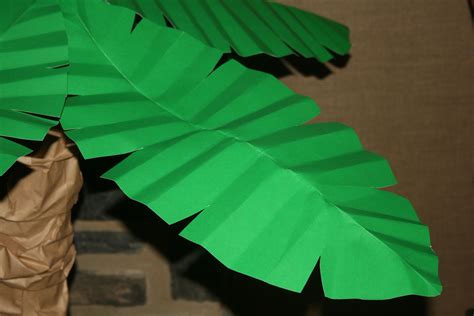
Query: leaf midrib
{"x": 197, "y": 126}
{"x": 18, "y": 18}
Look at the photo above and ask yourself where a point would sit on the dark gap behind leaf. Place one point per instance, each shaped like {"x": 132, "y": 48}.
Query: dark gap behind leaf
{"x": 138, "y": 18}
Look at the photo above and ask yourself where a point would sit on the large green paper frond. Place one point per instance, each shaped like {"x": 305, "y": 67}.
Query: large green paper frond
{"x": 32, "y": 43}
{"x": 273, "y": 196}
{"x": 249, "y": 27}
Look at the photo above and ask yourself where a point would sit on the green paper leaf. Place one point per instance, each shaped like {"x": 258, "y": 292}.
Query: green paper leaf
{"x": 32, "y": 43}
{"x": 249, "y": 27}
{"x": 9, "y": 153}
{"x": 273, "y": 196}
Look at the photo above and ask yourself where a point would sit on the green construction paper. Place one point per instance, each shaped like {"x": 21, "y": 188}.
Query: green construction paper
{"x": 272, "y": 196}
{"x": 9, "y": 153}
{"x": 33, "y": 43}
{"x": 249, "y": 27}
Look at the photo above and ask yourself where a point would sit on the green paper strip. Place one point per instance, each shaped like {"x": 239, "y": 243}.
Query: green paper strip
{"x": 33, "y": 43}
{"x": 274, "y": 196}
{"x": 249, "y": 27}
{"x": 9, "y": 153}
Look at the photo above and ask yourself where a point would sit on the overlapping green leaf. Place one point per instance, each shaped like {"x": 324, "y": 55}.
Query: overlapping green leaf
{"x": 249, "y": 27}
{"x": 273, "y": 196}
{"x": 32, "y": 44}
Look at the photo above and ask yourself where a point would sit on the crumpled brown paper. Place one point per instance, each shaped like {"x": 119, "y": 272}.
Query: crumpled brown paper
{"x": 36, "y": 235}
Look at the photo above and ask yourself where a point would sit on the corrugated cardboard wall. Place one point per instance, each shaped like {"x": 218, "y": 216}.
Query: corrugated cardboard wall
{"x": 408, "y": 90}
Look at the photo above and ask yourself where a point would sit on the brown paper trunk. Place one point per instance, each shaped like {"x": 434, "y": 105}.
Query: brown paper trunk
{"x": 36, "y": 235}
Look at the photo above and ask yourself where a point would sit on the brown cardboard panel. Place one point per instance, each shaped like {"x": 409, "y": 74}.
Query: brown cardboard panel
{"x": 408, "y": 90}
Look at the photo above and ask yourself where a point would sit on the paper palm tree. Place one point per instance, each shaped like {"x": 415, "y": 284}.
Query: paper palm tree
{"x": 272, "y": 195}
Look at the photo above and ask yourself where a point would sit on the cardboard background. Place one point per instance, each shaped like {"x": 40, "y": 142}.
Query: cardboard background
{"x": 408, "y": 90}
